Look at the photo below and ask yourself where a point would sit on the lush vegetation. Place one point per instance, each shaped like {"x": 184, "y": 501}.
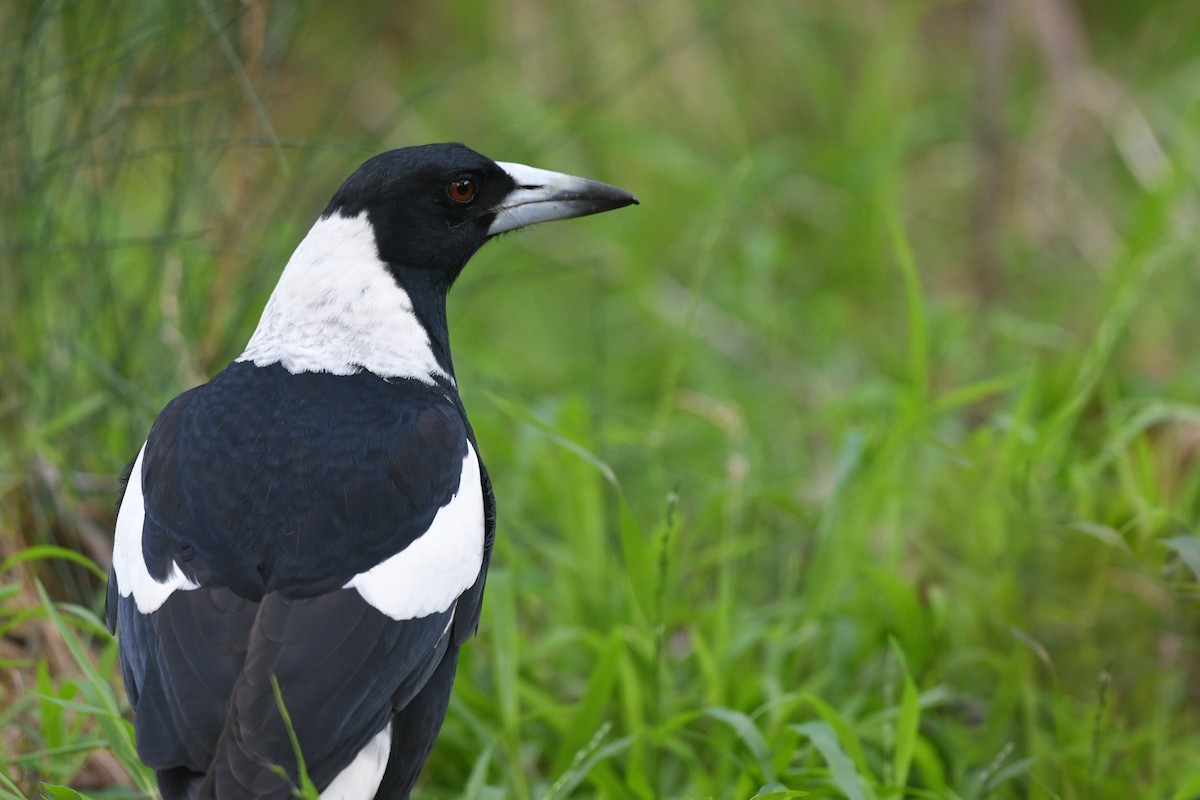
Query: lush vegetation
{"x": 858, "y": 461}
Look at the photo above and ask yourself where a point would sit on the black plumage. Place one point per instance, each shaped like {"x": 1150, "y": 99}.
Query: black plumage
{"x": 316, "y": 514}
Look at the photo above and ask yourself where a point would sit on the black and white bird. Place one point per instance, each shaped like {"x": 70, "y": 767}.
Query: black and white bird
{"x": 317, "y": 514}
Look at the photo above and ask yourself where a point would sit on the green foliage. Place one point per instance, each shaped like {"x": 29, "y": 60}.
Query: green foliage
{"x": 305, "y": 789}
{"x": 857, "y": 462}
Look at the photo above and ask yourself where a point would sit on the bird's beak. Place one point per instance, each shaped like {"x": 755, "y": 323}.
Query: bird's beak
{"x": 542, "y": 196}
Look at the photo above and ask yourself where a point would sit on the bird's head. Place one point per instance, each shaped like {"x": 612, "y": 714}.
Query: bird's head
{"x": 366, "y": 289}
{"x": 432, "y": 207}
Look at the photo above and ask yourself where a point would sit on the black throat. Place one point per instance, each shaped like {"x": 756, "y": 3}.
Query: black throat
{"x": 428, "y": 290}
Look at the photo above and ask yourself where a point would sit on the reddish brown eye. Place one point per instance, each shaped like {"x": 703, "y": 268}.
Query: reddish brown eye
{"x": 461, "y": 190}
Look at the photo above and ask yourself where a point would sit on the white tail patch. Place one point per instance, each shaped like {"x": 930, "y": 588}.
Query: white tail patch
{"x": 428, "y": 576}
{"x": 361, "y": 779}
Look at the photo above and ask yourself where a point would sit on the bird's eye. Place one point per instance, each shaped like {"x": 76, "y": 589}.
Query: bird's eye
{"x": 461, "y": 190}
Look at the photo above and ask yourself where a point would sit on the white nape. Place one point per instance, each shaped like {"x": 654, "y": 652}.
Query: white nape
{"x": 428, "y": 576}
{"x": 337, "y": 309}
{"x": 361, "y": 779}
{"x": 129, "y": 563}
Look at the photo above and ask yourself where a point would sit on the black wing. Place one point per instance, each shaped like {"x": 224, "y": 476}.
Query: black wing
{"x": 317, "y": 478}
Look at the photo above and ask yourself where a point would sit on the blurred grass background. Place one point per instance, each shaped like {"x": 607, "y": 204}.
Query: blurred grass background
{"x": 858, "y": 461}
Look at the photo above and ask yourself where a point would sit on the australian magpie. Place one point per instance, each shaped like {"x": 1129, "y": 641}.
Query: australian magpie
{"x": 317, "y": 516}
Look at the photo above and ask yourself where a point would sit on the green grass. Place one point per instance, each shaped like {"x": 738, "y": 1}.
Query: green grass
{"x": 854, "y": 463}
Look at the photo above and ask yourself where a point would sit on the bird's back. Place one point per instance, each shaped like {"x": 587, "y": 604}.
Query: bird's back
{"x": 265, "y": 493}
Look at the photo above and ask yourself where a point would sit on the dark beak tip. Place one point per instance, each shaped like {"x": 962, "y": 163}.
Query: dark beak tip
{"x": 626, "y": 199}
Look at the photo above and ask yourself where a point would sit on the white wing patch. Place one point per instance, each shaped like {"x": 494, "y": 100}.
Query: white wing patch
{"x": 128, "y": 561}
{"x": 337, "y": 309}
{"x": 428, "y": 576}
{"x": 361, "y": 779}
